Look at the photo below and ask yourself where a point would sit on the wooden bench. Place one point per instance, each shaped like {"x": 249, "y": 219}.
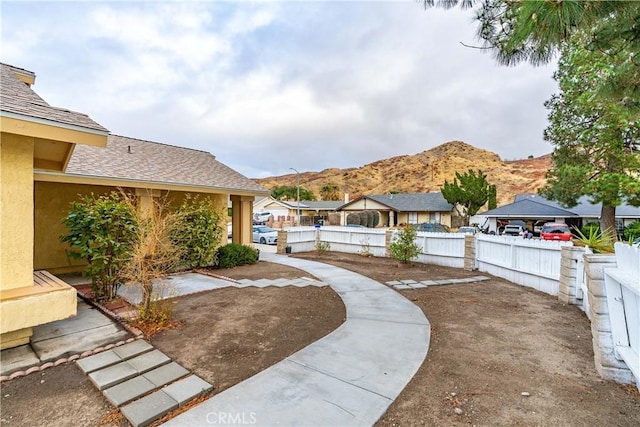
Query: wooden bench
{"x": 43, "y": 283}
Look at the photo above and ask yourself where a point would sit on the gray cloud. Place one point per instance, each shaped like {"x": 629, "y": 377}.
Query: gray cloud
{"x": 269, "y": 86}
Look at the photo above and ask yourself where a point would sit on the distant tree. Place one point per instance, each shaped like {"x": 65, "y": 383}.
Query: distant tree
{"x": 467, "y": 193}
{"x": 330, "y": 191}
{"x": 597, "y": 142}
{"x": 492, "y": 203}
{"x": 290, "y": 193}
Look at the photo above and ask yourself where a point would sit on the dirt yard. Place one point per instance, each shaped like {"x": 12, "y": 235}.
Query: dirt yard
{"x": 500, "y": 354}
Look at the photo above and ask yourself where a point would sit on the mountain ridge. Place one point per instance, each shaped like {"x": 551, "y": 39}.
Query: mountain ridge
{"x": 425, "y": 171}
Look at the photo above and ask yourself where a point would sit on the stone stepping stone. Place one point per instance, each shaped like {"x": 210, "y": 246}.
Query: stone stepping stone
{"x": 402, "y": 287}
{"x": 186, "y": 389}
{"x": 113, "y": 356}
{"x": 146, "y": 410}
{"x": 131, "y": 389}
{"x": 120, "y": 372}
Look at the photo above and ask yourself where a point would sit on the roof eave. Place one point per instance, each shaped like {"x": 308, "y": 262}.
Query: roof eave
{"x": 46, "y": 176}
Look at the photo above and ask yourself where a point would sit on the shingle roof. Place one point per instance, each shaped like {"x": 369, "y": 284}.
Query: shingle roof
{"x": 584, "y": 208}
{"x": 16, "y": 97}
{"x": 413, "y": 202}
{"x": 137, "y": 160}
{"x": 526, "y": 208}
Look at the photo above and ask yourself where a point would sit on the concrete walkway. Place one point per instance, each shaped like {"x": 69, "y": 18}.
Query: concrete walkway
{"x": 348, "y": 378}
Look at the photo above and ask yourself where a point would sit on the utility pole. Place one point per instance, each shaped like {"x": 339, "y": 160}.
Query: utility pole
{"x": 298, "y": 192}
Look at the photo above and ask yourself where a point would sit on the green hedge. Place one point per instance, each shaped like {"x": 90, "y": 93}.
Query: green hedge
{"x": 235, "y": 254}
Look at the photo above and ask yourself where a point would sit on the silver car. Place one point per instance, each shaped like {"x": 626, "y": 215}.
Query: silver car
{"x": 265, "y": 235}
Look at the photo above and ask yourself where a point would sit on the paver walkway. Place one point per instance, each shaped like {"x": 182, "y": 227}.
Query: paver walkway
{"x": 142, "y": 381}
{"x": 191, "y": 283}
{"x": 404, "y": 285}
{"x": 348, "y": 378}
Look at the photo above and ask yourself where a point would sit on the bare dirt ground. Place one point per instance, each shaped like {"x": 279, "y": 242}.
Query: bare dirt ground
{"x": 226, "y": 336}
{"x": 491, "y": 342}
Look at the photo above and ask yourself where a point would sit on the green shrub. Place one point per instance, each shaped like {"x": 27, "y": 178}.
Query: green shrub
{"x": 197, "y": 232}
{"x": 404, "y": 248}
{"x": 631, "y": 231}
{"x": 590, "y": 228}
{"x": 235, "y": 254}
{"x": 597, "y": 241}
{"x": 101, "y": 230}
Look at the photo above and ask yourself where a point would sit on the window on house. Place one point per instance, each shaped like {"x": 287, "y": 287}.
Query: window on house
{"x": 413, "y": 217}
{"x": 434, "y": 217}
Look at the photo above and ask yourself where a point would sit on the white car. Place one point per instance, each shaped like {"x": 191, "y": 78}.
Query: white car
{"x": 265, "y": 235}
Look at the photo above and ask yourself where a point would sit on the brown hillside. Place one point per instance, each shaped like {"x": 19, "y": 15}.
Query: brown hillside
{"x": 426, "y": 171}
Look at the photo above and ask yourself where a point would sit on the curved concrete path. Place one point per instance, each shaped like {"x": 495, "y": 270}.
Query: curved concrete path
{"x": 347, "y": 378}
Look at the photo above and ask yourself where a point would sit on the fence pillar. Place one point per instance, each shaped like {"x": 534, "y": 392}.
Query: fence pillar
{"x": 388, "y": 239}
{"x": 568, "y": 286}
{"x": 282, "y": 242}
{"x": 606, "y": 363}
{"x": 470, "y": 252}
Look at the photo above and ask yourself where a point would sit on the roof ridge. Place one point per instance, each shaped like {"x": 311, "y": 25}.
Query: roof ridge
{"x": 162, "y": 143}
{"x": 18, "y": 68}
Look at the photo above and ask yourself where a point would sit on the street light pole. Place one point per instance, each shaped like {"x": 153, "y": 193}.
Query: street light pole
{"x": 298, "y": 192}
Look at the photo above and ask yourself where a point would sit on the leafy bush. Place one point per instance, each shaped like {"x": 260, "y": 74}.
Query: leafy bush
{"x": 404, "y": 248}
{"x": 631, "y": 231}
{"x": 590, "y": 228}
{"x": 235, "y": 254}
{"x": 101, "y": 230}
{"x": 197, "y": 232}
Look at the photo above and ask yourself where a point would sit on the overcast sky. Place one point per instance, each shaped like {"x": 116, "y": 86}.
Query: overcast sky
{"x": 271, "y": 86}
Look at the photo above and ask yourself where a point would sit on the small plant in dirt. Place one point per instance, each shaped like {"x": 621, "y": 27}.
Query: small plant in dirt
{"x": 235, "y": 254}
{"x": 323, "y": 247}
{"x": 404, "y": 248}
{"x": 365, "y": 247}
{"x": 101, "y": 230}
{"x": 197, "y": 232}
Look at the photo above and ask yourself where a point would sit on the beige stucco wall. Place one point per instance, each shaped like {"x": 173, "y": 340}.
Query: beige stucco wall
{"x": 16, "y": 216}
{"x": 53, "y": 203}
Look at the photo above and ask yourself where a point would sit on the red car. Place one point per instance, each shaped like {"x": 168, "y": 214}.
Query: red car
{"x": 555, "y": 231}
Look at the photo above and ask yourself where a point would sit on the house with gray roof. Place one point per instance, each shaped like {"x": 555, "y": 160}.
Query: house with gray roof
{"x": 534, "y": 208}
{"x": 406, "y": 208}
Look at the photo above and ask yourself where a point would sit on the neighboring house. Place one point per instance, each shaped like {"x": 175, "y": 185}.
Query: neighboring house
{"x": 282, "y": 208}
{"x": 533, "y": 208}
{"x": 50, "y": 157}
{"x": 407, "y": 208}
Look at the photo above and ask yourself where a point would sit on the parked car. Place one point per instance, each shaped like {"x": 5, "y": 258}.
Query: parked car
{"x": 468, "y": 230}
{"x": 260, "y": 218}
{"x": 265, "y": 235}
{"x": 514, "y": 230}
{"x": 431, "y": 227}
{"x": 556, "y": 231}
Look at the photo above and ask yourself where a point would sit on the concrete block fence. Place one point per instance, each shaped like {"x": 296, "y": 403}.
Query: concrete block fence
{"x": 571, "y": 273}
